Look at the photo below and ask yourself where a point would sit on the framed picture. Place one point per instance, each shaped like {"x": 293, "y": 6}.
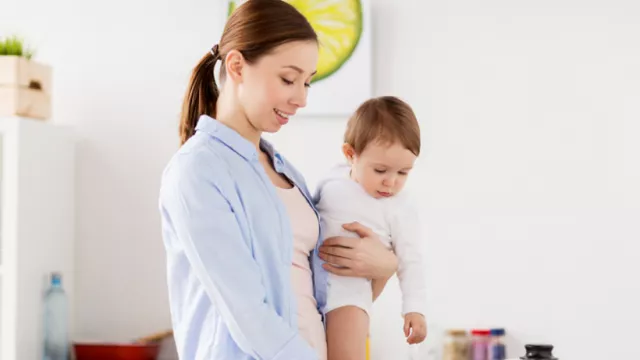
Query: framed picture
{"x": 344, "y": 78}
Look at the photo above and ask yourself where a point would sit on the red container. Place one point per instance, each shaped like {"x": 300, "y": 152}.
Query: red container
{"x": 110, "y": 351}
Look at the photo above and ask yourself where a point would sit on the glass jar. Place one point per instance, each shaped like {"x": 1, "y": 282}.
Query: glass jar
{"x": 456, "y": 345}
{"x": 480, "y": 344}
{"x": 497, "y": 347}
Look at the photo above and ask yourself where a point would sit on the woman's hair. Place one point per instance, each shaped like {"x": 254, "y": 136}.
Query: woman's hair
{"x": 384, "y": 119}
{"x": 254, "y": 29}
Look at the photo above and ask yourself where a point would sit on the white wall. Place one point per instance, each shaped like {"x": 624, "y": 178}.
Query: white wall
{"x": 120, "y": 70}
{"x": 529, "y": 114}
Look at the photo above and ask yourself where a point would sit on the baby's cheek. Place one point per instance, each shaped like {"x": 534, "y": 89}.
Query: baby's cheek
{"x": 371, "y": 190}
{"x": 400, "y": 183}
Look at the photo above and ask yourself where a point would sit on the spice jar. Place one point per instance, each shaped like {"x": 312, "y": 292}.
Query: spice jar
{"x": 479, "y": 344}
{"x": 497, "y": 347}
{"x": 456, "y": 345}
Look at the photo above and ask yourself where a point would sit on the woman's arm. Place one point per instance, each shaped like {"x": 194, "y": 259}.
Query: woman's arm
{"x": 198, "y": 220}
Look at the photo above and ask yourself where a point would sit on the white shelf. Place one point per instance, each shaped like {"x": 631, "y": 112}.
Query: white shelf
{"x": 37, "y": 206}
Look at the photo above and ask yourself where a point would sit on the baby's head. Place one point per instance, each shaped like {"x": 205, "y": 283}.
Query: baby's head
{"x": 382, "y": 142}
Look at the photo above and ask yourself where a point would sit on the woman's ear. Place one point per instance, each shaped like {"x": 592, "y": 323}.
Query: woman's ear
{"x": 349, "y": 152}
{"x": 234, "y": 63}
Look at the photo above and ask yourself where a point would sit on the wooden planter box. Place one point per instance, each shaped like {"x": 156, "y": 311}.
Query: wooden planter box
{"x": 25, "y": 88}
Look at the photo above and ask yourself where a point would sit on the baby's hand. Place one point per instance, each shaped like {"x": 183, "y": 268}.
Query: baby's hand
{"x": 415, "y": 324}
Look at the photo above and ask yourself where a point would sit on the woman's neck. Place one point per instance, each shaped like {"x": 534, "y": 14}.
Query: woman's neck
{"x": 236, "y": 120}
{"x": 243, "y": 127}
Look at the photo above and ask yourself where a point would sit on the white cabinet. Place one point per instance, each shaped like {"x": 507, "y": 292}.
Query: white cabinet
{"x": 37, "y": 205}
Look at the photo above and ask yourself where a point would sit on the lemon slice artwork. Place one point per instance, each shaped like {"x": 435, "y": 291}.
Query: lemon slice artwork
{"x": 338, "y": 24}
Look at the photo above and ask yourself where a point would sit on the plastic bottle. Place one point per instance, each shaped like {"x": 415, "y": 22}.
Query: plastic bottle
{"x": 56, "y": 338}
{"x": 480, "y": 344}
{"x": 497, "y": 348}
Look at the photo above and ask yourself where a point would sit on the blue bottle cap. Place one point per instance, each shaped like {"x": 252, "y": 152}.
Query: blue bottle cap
{"x": 497, "y": 332}
{"x": 56, "y": 278}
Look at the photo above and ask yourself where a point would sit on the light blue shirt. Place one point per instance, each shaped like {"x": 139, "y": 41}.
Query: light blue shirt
{"x": 229, "y": 251}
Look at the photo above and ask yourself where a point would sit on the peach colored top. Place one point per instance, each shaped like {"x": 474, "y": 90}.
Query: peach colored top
{"x": 304, "y": 224}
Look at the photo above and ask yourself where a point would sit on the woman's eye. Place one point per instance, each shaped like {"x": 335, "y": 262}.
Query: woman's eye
{"x": 287, "y": 81}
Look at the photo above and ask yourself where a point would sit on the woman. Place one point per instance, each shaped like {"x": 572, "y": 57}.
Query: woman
{"x": 240, "y": 230}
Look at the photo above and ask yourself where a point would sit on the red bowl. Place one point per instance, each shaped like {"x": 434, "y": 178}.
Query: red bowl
{"x": 99, "y": 351}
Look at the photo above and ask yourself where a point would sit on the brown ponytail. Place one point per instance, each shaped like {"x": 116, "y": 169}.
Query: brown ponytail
{"x": 254, "y": 29}
{"x": 202, "y": 94}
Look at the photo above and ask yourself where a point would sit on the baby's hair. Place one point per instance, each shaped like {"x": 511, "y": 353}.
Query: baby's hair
{"x": 385, "y": 120}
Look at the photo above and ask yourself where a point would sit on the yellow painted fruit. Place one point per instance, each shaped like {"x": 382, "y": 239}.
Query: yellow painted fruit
{"x": 338, "y": 24}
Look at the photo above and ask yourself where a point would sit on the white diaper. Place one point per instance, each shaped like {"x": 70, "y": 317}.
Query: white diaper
{"x": 346, "y": 290}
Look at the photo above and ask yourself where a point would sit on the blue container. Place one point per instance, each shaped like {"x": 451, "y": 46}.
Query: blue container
{"x": 497, "y": 347}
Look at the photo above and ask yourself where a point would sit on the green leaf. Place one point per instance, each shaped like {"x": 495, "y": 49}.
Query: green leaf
{"x": 14, "y": 45}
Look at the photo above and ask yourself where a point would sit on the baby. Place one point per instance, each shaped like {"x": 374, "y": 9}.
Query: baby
{"x": 381, "y": 144}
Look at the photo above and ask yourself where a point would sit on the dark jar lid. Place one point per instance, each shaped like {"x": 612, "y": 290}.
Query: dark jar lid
{"x": 539, "y": 352}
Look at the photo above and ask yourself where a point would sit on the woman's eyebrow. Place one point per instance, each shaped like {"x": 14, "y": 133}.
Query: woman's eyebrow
{"x": 299, "y": 70}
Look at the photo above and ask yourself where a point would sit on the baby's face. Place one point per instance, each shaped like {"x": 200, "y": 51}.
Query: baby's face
{"x": 381, "y": 169}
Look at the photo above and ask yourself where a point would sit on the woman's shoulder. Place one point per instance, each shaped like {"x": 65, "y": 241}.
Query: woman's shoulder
{"x": 198, "y": 157}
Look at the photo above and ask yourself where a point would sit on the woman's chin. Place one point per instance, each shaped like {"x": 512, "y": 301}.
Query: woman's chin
{"x": 272, "y": 128}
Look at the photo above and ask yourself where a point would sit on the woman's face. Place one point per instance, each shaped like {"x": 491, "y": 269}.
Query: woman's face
{"x": 273, "y": 88}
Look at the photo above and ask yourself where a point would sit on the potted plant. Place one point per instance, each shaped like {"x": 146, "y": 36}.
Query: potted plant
{"x": 25, "y": 84}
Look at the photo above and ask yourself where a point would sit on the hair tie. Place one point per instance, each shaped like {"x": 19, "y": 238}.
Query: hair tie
{"x": 214, "y": 51}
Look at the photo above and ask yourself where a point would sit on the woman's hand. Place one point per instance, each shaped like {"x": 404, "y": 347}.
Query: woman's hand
{"x": 365, "y": 257}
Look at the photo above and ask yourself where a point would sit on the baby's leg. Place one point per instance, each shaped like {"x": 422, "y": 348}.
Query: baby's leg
{"x": 347, "y": 331}
{"x": 349, "y": 301}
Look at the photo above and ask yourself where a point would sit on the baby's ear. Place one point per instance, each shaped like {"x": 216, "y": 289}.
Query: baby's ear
{"x": 349, "y": 152}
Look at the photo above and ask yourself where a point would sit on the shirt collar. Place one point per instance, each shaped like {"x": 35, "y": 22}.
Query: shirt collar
{"x": 237, "y": 143}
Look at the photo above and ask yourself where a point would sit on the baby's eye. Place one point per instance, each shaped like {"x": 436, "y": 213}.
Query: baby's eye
{"x": 380, "y": 171}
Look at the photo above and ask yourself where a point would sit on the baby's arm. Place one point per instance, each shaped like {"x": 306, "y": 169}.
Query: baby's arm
{"x": 407, "y": 242}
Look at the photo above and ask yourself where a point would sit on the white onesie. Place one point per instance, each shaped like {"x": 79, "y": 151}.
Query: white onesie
{"x": 341, "y": 200}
